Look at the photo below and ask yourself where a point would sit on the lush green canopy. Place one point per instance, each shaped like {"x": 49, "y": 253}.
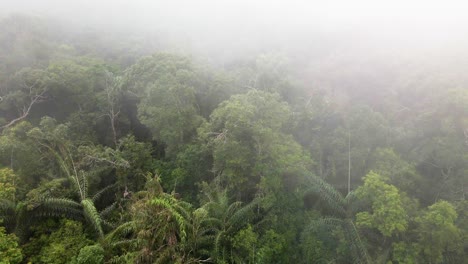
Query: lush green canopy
{"x": 112, "y": 155}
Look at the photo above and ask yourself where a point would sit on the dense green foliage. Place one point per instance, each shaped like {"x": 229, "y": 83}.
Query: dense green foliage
{"x": 156, "y": 157}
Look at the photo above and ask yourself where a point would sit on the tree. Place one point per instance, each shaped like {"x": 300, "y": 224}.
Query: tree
{"x": 162, "y": 229}
{"x": 337, "y": 217}
{"x": 29, "y": 87}
{"x": 112, "y": 97}
{"x": 226, "y": 219}
{"x": 64, "y": 244}
{"x": 52, "y": 139}
{"x": 245, "y": 244}
{"x": 435, "y": 144}
{"x": 438, "y": 234}
{"x": 9, "y": 249}
{"x": 13, "y": 214}
{"x": 248, "y": 141}
{"x": 268, "y": 72}
{"x": 387, "y": 214}
{"x": 93, "y": 254}
{"x": 19, "y": 153}
{"x": 341, "y": 139}
{"x": 166, "y": 86}
{"x": 398, "y": 172}
{"x": 8, "y": 180}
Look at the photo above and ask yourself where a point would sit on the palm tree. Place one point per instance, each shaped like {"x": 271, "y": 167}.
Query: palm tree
{"x": 76, "y": 171}
{"x": 339, "y": 211}
{"x": 14, "y": 216}
{"x": 226, "y": 218}
{"x": 163, "y": 229}
{"x": 84, "y": 209}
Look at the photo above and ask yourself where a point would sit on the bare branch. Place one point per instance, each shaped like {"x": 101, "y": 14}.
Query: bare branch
{"x": 465, "y": 132}
{"x": 112, "y": 87}
{"x": 38, "y": 98}
{"x": 114, "y": 163}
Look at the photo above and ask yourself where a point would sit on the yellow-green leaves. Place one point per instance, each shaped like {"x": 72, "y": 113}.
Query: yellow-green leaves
{"x": 8, "y": 181}
{"x": 10, "y": 253}
{"x": 387, "y": 213}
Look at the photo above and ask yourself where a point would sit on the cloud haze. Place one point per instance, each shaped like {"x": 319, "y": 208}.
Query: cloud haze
{"x": 208, "y": 25}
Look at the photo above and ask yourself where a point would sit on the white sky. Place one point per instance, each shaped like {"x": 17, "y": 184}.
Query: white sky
{"x": 289, "y": 12}
{"x": 415, "y": 21}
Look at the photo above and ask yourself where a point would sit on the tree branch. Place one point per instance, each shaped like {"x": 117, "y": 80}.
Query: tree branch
{"x": 34, "y": 100}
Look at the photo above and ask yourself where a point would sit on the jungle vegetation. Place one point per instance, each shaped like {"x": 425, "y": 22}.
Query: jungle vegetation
{"x": 119, "y": 151}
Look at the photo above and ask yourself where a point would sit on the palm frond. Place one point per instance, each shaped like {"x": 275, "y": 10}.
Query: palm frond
{"x": 99, "y": 194}
{"x": 232, "y": 209}
{"x": 106, "y": 211}
{"x": 128, "y": 243}
{"x": 121, "y": 231}
{"x": 218, "y": 241}
{"x": 92, "y": 216}
{"x": 7, "y": 212}
{"x": 181, "y": 221}
{"x": 108, "y": 224}
{"x": 326, "y": 193}
{"x": 164, "y": 256}
{"x": 359, "y": 251}
{"x": 242, "y": 214}
{"x": 354, "y": 204}
{"x": 83, "y": 181}
{"x": 212, "y": 222}
{"x": 328, "y": 222}
{"x": 59, "y": 207}
{"x": 24, "y": 219}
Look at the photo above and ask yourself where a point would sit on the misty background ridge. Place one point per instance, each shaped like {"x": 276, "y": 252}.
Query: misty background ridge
{"x": 367, "y": 32}
{"x": 362, "y": 43}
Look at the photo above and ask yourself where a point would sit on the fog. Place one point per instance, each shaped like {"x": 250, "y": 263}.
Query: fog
{"x": 179, "y": 13}
{"x": 208, "y": 26}
{"x": 243, "y": 131}
{"x": 362, "y": 38}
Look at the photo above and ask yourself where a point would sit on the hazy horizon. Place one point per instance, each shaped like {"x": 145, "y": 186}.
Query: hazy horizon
{"x": 365, "y": 37}
{"x": 401, "y": 24}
